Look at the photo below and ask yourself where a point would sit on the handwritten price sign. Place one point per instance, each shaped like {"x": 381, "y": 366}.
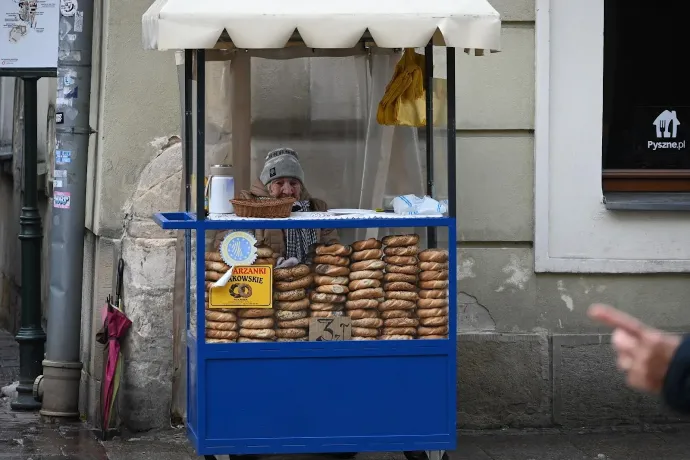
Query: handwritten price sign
{"x": 334, "y": 329}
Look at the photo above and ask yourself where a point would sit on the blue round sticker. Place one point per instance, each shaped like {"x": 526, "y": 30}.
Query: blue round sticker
{"x": 238, "y": 248}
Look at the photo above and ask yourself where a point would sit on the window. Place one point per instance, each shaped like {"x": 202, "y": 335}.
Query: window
{"x": 646, "y": 114}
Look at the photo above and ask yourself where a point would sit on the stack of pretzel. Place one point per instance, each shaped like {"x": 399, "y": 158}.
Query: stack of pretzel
{"x": 432, "y": 306}
{"x": 291, "y": 304}
{"x": 366, "y": 273}
{"x": 331, "y": 271}
{"x": 256, "y": 324}
{"x": 400, "y": 286}
{"x": 221, "y": 325}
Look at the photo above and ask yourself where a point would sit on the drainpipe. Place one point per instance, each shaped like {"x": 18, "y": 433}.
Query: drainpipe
{"x": 59, "y": 384}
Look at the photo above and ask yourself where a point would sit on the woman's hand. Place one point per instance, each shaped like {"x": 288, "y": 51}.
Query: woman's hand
{"x": 644, "y": 353}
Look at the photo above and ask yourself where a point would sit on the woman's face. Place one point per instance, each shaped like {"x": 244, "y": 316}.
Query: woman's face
{"x": 285, "y": 187}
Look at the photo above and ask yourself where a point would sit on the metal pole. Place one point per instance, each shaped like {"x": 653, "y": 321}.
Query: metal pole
{"x": 452, "y": 173}
{"x": 31, "y": 337}
{"x": 62, "y": 366}
{"x": 429, "y": 87}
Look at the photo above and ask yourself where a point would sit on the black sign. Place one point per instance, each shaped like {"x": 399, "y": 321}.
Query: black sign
{"x": 59, "y": 118}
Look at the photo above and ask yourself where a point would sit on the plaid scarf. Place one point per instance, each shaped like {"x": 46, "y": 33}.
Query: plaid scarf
{"x": 298, "y": 240}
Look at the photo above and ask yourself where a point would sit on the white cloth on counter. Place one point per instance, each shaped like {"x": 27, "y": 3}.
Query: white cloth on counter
{"x": 414, "y": 205}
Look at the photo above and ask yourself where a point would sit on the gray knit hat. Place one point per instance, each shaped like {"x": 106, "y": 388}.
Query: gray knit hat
{"x": 282, "y": 162}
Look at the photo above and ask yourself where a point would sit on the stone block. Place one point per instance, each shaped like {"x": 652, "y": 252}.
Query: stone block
{"x": 495, "y": 187}
{"x": 588, "y": 390}
{"x": 503, "y": 380}
{"x": 515, "y": 10}
{"x": 149, "y": 264}
{"x": 503, "y": 282}
{"x": 497, "y": 91}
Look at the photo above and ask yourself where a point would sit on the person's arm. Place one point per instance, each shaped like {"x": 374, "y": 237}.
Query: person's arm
{"x": 676, "y": 389}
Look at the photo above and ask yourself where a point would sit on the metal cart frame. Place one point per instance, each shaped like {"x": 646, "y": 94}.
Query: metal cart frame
{"x": 313, "y": 397}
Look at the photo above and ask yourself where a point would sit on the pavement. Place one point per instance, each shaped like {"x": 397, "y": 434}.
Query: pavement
{"x": 25, "y": 436}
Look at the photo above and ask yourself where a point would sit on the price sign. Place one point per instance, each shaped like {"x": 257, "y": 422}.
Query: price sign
{"x": 334, "y": 329}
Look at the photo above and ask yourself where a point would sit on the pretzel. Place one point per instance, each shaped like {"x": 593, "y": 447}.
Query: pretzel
{"x": 367, "y": 322}
{"x": 290, "y": 323}
{"x": 361, "y": 304}
{"x": 250, "y": 340}
{"x": 221, "y": 326}
{"x": 401, "y": 322}
{"x": 434, "y": 284}
{"x": 371, "y": 293}
{"x": 285, "y": 315}
{"x": 433, "y": 294}
{"x": 433, "y": 255}
{"x": 441, "y": 330}
{"x": 363, "y": 338}
{"x": 215, "y": 334}
{"x": 432, "y": 303}
{"x": 396, "y": 304}
{"x": 266, "y": 261}
{"x": 326, "y": 314}
{"x": 402, "y": 295}
{"x": 255, "y": 312}
{"x": 295, "y": 294}
{"x": 213, "y": 275}
{"x": 400, "y": 240}
{"x": 401, "y": 251}
{"x": 364, "y": 284}
{"x": 291, "y": 273}
{"x": 399, "y": 277}
{"x": 326, "y": 306}
{"x": 431, "y": 312}
{"x": 397, "y": 337}
{"x": 331, "y": 270}
{"x": 213, "y": 315}
{"x": 433, "y": 266}
{"x": 390, "y": 314}
{"x": 258, "y": 333}
{"x": 332, "y": 260}
{"x": 433, "y": 276}
{"x": 361, "y": 314}
{"x": 333, "y": 250}
{"x": 220, "y": 267}
{"x": 399, "y": 331}
{"x": 257, "y": 323}
{"x": 320, "y": 297}
{"x": 301, "y": 283}
{"x": 434, "y": 321}
{"x": 220, "y": 340}
{"x": 400, "y": 260}
{"x": 402, "y": 269}
{"x": 371, "y": 264}
{"x": 399, "y": 286}
{"x": 364, "y": 332}
{"x": 301, "y": 339}
{"x": 213, "y": 257}
{"x": 264, "y": 252}
{"x": 291, "y": 333}
{"x": 367, "y": 254}
{"x": 366, "y": 275}
{"x": 293, "y": 305}
{"x": 332, "y": 289}
{"x": 445, "y": 336}
{"x": 322, "y": 280}
{"x": 371, "y": 243}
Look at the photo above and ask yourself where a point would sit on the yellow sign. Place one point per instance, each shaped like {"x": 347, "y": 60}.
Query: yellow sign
{"x": 251, "y": 286}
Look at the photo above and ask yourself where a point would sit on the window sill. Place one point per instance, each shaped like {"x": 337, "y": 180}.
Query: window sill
{"x": 646, "y": 201}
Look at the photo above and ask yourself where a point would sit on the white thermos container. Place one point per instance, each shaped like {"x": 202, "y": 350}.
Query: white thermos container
{"x": 221, "y": 189}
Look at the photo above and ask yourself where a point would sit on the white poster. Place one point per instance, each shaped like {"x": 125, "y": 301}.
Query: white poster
{"x": 29, "y": 34}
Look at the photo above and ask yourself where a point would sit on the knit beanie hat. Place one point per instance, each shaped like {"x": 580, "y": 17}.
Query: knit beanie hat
{"x": 282, "y": 162}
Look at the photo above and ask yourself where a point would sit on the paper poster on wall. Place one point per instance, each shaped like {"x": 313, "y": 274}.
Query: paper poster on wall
{"x": 61, "y": 200}
{"x": 63, "y": 157}
{"x": 29, "y": 35}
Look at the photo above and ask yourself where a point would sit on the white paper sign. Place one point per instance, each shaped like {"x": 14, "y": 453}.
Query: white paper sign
{"x": 29, "y": 34}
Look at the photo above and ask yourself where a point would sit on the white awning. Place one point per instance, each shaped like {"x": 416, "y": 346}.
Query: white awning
{"x": 263, "y": 24}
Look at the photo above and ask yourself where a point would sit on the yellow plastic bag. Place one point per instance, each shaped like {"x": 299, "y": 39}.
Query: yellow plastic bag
{"x": 404, "y": 102}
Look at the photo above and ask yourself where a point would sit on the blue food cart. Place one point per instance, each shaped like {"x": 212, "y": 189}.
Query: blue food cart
{"x": 316, "y": 396}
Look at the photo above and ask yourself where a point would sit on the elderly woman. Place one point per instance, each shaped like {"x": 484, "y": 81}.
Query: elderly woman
{"x": 281, "y": 177}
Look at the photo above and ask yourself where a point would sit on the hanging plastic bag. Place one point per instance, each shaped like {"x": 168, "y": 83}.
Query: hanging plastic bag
{"x": 414, "y": 205}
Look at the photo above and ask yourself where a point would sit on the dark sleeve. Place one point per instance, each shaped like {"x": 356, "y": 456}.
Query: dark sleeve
{"x": 676, "y": 390}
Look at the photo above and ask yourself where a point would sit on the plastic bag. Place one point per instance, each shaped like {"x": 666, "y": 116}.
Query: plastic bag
{"x": 414, "y": 205}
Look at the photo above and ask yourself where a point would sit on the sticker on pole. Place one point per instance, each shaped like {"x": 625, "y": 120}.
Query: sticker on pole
{"x": 63, "y": 157}
{"x": 61, "y": 200}
{"x": 250, "y": 286}
{"x": 68, "y": 7}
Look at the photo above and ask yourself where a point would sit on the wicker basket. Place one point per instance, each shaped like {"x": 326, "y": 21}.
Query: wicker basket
{"x": 271, "y": 208}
